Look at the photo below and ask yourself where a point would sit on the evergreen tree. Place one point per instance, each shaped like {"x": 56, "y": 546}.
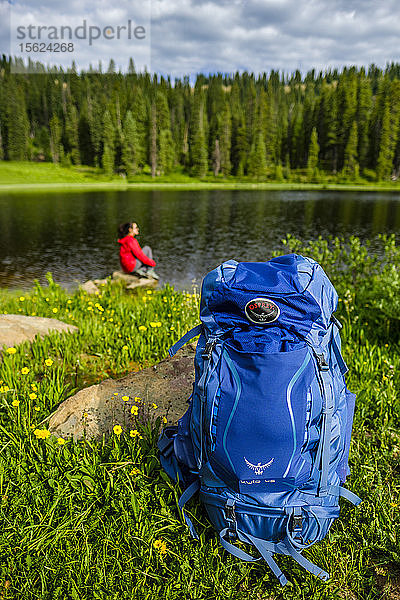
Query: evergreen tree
{"x": 198, "y": 146}
{"x": 95, "y": 119}
{"x": 166, "y": 153}
{"x": 140, "y": 115}
{"x": 18, "y": 125}
{"x": 86, "y": 147}
{"x": 257, "y": 163}
{"x": 153, "y": 139}
{"x": 55, "y": 139}
{"x": 129, "y": 145}
{"x": 390, "y": 133}
{"x": 313, "y": 153}
{"x": 216, "y": 158}
{"x": 225, "y": 132}
{"x": 364, "y": 105}
{"x": 108, "y": 158}
{"x": 351, "y": 166}
{"x": 72, "y": 133}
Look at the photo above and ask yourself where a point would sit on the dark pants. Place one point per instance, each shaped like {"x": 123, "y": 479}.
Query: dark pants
{"x": 139, "y": 265}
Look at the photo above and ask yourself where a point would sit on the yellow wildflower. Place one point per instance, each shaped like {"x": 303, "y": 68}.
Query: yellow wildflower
{"x": 4, "y": 389}
{"x": 153, "y": 324}
{"x": 134, "y": 433}
{"x": 69, "y": 301}
{"x": 60, "y": 441}
{"x": 155, "y": 405}
{"x": 135, "y": 471}
{"x": 24, "y": 370}
{"x": 37, "y": 408}
{"x": 48, "y": 362}
{"x": 34, "y": 387}
{"x": 160, "y": 546}
{"x": 115, "y": 393}
{"x": 42, "y": 434}
{"x": 134, "y": 410}
{"x": 55, "y": 310}
{"x": 11, "y": 350}
{"x": 21, "y": 298}
{"x": 149, "y": 292}
{"x": 85, "y": 415}
{"x": 164, "y": 420}
{"x": 142, "y": 328}
{"x": 117, "y": 429}
{"x": 125, "y": 398}
{"x": 32, "y": 396}
{"x": 125, "y": 347}
{"x": 15, "y": 403}
{"x": 137, "y": 399}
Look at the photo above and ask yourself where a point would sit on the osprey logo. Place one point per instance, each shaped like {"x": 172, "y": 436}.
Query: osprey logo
{"x": 262, "y": 311}
{"x": 258, "y": 468}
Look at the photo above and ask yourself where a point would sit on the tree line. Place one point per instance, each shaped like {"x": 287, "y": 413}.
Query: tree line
{"x": 338, "y": 123}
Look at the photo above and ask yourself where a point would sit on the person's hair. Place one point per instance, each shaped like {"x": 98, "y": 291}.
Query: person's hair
{"x": 123, "y": 230}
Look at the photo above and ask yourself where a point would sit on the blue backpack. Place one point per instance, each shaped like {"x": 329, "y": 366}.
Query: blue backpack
{"x": 266, "y": 437}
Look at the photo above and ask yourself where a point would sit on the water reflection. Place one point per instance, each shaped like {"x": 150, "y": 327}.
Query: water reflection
{"x": 74, "y": 235}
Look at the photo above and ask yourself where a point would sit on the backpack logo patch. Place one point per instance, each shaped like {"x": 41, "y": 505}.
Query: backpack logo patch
{"x": 258, "y": 468}
{"x": 262, "y": 311}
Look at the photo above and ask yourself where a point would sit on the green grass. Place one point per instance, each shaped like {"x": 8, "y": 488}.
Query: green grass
{"x": 79, "y": 520}
{"x": 48, "y": 177}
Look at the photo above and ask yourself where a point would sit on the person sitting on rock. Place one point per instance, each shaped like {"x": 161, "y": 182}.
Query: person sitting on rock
{"x": 134, "y": 259}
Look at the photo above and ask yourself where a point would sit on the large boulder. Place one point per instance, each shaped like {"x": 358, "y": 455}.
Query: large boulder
{"x": 162, "y": 390}
{"x": 16, "y": 329}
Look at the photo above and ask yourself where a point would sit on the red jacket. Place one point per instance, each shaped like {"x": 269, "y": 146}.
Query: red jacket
{"x": 129, "y": 251}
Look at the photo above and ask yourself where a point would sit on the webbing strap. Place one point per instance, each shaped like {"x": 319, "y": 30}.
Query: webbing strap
{"x": 326, "y": 432}
{"x": 305, "y": 563}
{"x": 185, "y": 339}
{"x": 338, "y": 490}
{"x": 339, "y": 358}
{"x": 234, "y": 550}
{"x": 186, "y": 496}
{"x": 264, "y": 549}
{"x": 260, "y": 545}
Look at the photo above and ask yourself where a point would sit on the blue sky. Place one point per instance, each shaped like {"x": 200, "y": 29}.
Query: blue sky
{"x": 184, "y": 37}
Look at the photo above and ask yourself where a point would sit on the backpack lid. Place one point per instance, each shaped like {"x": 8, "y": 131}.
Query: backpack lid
{"x": 296, "y": 285}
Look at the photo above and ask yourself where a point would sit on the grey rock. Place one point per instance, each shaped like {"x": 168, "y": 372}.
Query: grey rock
{"x": 90, "y": 287}
{"x": 16, "y": 329}
{"x": 94, "y": 411}
{"x": 132, "y": 281}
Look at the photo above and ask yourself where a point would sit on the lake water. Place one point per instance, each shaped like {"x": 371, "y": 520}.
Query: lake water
{"x": 73, "y": 235}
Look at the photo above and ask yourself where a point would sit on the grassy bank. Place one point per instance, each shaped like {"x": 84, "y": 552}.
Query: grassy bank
{"x": 49, "y": 177}
{"x": 100, "y": 520}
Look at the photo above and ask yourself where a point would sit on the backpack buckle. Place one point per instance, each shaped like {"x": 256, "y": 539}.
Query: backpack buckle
{"x": 297, "y": 523}
{"x": 206, "y": 354}
{"x": 322, "y": 364}
{"x": 230, "y": 516}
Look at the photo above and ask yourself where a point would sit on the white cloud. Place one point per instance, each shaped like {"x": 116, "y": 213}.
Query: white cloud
{"x": 189, "y": 36}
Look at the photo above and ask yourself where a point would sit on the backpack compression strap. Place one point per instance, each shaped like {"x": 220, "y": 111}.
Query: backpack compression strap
{"x": 185, "y": 339}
